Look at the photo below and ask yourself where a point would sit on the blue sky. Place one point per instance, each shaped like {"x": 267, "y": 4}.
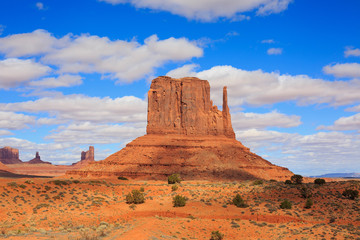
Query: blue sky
{"x": 76, "y": 73}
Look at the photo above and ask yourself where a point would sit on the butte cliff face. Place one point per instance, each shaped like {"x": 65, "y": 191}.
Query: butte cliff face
{"x": 9, "y": 155}
{"x": 183, "y": 107}
{"x": 186, "y": 134}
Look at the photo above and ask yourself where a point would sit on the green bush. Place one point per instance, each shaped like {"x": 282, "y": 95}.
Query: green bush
{"x": 135, "y": 197}
{"x": 258, "y": 182}
{"x": 319, "y": 181}
{"x": 174, "y": 187}
{"x": 142, "y": 189}
{"x": 12, "y": 184}
{"x": 309, "y": 203}
{"x": 22, "y": 186}
{"x": 288, "y": 181}
{"x": 297, "y": 179}
{"x": 305, "y": 192}
{"x": 61, "y": 182}
{"x": 350, "y": 194}
{"x": 122, "y": 178}
{"x": 174, "y": 178}
{"x": 286, "y": 204}
{"x": 179, "y": 201}
{"x": 216, "y": 235}
{"x": 239, "y": 202}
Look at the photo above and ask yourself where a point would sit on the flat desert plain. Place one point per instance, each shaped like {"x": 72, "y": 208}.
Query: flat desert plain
{"x": 97, "y": 209}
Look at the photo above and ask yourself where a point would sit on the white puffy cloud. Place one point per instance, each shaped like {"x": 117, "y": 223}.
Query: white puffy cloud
{"x": 14, "y": 72}
{"x": 14, "y": 121}
{"x": 351, "y": 70}
{"x": 353, "y": 109}
{"x": 274, "y": 51}
{"x": 83, "y": 108}
{"x": 88, "y": 133}
{"x": 117, "y": 59}
{"x": 350, "y": 51}
{"x": 249, "y": 120}
{"x": 184, "y": 71}
{"x": 345, "y": 123}
{"x": 306, "y": 154}
{"x": 31, "y": 44}
{"x": 40, "y": 5}
{"x": 65, "y": 80}
{"x": 261, "y": 88}
{"x": 5, "y": 132}
{"x": 209, "y": 10}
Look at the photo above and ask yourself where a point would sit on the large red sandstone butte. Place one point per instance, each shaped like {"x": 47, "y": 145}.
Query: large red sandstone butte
{"x": 9, "y": 155}
{"x": 186, "y": 134}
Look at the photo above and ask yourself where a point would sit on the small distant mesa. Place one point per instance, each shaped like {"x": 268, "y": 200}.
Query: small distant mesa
{"x": 10, "y": 162}
{"x": 186, "y": 134}
{"x": 9, "y": 155}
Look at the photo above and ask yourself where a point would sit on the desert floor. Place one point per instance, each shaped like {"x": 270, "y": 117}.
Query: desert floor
{"x": 96, "y": 209}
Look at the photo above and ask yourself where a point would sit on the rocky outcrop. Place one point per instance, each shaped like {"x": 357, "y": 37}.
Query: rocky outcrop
{"x": 88, "y": 155}
{"x": 9, "y": 155}
{"x": 186, "y": 134}
{"x": 86, "y": 158}
{"x": 37, "y": 160}
{"x": 183, "y": 106}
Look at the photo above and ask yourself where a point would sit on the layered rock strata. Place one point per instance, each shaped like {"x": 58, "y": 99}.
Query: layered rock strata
{"x": 186, "y": 134}
{"x": 9, "y": 155}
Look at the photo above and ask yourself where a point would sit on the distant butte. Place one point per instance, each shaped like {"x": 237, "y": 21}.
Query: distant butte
{"x": 37, "y": 160}
{"x": 86, "y": 158}
{"x": 186, "y": 134}
{"x": 9, "y": 155}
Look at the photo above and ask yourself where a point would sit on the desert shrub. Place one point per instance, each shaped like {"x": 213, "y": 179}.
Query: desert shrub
{"x": 22, "y": 186}
{"x": 47, "y": 188}
{"x": 350, "y": 194}
{"x": 12, "y": 184}
{"x": 174, "y": 178}
{"x": 297, "y": 179}
{"x": 122, "y": 178}
{"x": 135, "y": 197}
{"x": 286, "y": 204}
{"x": 258, "y": 182}
{"x": 174, "y": 187}
{"x": 179, "y": 201}
{"x": 29, "y": 182}
{"x": 239, "y": 202}
{"x": 309, "y": 203}
{"x": 216, "y": 235}
{"x": 142, "y": 189}
{"x": 305, "y": 192}
{"x": 288, "y": 181}
{"x": 61, "y": 182}
{"x": 76, "y": 181}
{"x": 319, "y": 181}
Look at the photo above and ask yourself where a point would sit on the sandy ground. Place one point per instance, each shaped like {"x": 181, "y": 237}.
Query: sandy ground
{"x": 96, "y": 209}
